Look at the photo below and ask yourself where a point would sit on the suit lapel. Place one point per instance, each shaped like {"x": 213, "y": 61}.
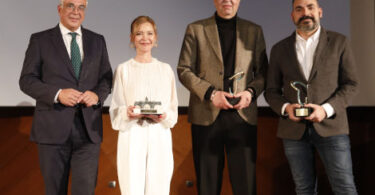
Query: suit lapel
{"x": 244, "y": 43}
{"x": 212, "y": 35}
{"x": 87, "y": 52}
{"x": 292, "y": 55}
{"x": 239, "y": 46}
{"x": 62, "y": 52}
{"x": 319, "y": 53}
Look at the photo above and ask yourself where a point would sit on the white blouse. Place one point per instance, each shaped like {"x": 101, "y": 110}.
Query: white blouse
{"x": 134, "y": 81}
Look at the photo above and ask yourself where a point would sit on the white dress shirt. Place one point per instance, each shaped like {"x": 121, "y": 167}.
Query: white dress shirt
{"x": 305, "y": 50}
{"x": 67, "y": 41}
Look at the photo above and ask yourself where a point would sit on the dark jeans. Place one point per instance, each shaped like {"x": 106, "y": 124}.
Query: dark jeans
{"x": 78, "y": 155}
{"x": 229, "y": 134}
{"x": 335, "y": 154}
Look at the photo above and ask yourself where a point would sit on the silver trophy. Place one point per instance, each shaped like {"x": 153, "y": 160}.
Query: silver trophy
{"x": 302, "y": 111}
{"x": 147, "y": 107}
{"x": 234, "y": 79}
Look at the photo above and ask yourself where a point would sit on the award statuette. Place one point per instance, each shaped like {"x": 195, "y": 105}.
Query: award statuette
{"x": 234, "y": 79}
{"x": 302, "y": 111}
{"x": 147, "y": 107}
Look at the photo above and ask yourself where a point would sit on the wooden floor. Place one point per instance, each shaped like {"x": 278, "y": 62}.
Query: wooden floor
{"x": 20, "y": 174}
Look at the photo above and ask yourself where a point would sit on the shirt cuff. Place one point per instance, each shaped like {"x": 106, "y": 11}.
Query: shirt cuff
{"x": 329, "y": 109}
{"x": 207, "y": 95}
{"x": 252, "y": 92}
{"x": 283, "y": 109}
{"x": 56, "y": 100}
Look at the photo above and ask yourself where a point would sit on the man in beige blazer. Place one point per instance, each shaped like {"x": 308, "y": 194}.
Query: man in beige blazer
{"x": 323, "y": 61}
{"x": 215, "y": 49}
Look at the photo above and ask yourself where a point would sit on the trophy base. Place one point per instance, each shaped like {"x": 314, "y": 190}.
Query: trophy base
{"x": 233, "y": 101}
{"x": 302, "y": 112}
{"x": 146, "y": 111}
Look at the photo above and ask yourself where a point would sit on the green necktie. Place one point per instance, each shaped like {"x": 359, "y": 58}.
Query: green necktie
{"x": 75, "y": 55}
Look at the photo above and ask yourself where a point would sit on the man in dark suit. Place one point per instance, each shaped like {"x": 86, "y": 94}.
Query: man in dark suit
{"x": 215, "y": 49}
{"x": 323, "y": 61}
{"x": 67, "y": 71}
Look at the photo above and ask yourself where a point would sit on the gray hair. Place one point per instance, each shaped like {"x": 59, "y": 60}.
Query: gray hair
{"x": 62, "y": 2}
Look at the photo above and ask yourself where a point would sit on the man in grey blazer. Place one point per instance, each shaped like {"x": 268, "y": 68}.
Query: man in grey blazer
{"x": 213, "y": 50}
{"x": 322, "y": 60}
{"x": 67, "y": 71}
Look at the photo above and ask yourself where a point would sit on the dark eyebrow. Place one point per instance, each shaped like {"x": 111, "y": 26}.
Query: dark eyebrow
{"x": 310, "y": 5}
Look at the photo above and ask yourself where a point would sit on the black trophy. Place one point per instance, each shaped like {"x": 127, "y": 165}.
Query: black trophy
{"x": 302, "y": 111}
{"x": 234, "y": 79}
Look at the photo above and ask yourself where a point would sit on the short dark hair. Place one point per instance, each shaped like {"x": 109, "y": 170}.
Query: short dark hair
{"x": 294, "y": 0}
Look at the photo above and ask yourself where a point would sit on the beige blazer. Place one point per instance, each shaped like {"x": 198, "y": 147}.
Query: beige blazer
{"x": 201, "y": 65}
{"x": 332, "y": 80}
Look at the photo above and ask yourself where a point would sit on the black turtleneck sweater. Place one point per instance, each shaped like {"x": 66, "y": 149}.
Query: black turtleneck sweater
{"x": 227, "y": 36}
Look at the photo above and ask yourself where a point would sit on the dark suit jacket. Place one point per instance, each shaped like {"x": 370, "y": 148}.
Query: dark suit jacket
{"x": 47, "y": 68}
{"x": 201, "y": 65}
{"x": 332, "y": 80}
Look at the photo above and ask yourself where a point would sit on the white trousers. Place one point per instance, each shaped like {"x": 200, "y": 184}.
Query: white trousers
{"x": 145, "y": 160}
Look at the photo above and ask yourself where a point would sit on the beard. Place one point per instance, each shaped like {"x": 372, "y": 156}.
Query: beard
{"x": 307, "y": 27}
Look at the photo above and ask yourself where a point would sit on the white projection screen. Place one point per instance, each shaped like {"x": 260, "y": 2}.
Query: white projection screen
{"x": 112, "y": 18}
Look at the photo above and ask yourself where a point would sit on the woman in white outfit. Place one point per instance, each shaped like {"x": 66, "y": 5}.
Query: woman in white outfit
{"x": 144, "y": 149}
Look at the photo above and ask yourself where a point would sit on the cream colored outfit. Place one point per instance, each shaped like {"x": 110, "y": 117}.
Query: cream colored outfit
{"x": 144, "y": 152}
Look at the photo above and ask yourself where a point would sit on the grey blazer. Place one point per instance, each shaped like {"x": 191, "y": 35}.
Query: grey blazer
{"x": 201, "y": 65}
{"x": 332, "y": 80}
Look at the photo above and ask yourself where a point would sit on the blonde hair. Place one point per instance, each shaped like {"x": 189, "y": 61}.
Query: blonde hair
{"x": 138, "y": 21}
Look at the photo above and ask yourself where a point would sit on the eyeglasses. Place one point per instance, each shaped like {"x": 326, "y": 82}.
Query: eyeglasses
{"x": 71, "y": 7}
